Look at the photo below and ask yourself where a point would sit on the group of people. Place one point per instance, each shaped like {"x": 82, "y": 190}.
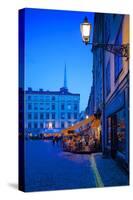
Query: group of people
{"x": 80, "y": 143}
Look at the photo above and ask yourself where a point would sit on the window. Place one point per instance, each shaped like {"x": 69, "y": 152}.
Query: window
{"x": 118, "y": 59}
{"x": 35, "y": 115}
{"x": 69, "y": 106}
{"x": 35, "y": 98}
{"x": 69, "y": 123}
{"x": 62, "y": 115}
{"x": 53, "y": 98}
{"x": 62, "y": 97}
{"x": 41, "y": 98}
{"x": 47, "y": 98}
{"x": 41, "y": 106}
{"x": 109, "y": 130}
{"x": 29, "y": 125}
{"x": 53, "y": 115}
{"x": 53, "y": 106}
{"x": 75, "y": 115}
{"x": 62, "y": 125}
{"x": 35, "y": 106}
{"x": 62, "y": 106}
{"x": 47, "y": 115}
{"x": 29, "y": 98}
{"x": 29, "y": 116}
{"x": 35, "y": 125}
{"x": 75, "y": 106}
{"x": 117, "y": 131}
{"x": 47, "y": 125}
{"x": 47, "y": 106}
{"x": 41, "y": 116}
{"x": 121, "y": 139}
{"x": 29, "y": 106}
{"x": 53, "y": 124}
{"x": 41, "y": 125}
{"x": 69, "y": 115}
{"x": 108, "y": 84}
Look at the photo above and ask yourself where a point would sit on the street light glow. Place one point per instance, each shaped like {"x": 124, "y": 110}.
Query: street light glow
{"x": 85, "y": 29}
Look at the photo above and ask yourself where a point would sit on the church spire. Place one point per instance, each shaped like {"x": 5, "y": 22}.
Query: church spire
{"x": 64, "y": 88}
{"x": 65, "y": 78}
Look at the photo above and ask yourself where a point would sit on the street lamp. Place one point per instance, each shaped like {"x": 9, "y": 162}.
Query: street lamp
{"x": 87, "y": 117}
{"x": 85, "y": 28}
{"x": 121, "y": 50}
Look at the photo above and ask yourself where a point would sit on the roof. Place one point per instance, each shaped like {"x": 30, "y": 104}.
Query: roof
{"x": 51, "y": 92}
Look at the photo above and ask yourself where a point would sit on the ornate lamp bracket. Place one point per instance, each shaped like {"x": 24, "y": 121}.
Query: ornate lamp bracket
{"x": 119, "y": 50}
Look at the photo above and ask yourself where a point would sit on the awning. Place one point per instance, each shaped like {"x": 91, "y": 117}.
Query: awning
{"x": 95, "y": 123}
{"x": 79, "y": 124}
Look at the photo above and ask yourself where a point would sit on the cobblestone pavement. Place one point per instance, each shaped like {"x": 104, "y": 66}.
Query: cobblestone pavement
{"x": 47, "y": 167}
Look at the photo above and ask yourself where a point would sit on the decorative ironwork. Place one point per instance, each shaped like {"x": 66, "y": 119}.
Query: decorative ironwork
{"x": 119, "y": 50}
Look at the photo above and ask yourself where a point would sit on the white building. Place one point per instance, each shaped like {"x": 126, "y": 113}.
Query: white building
{"x": 51, "y": 109}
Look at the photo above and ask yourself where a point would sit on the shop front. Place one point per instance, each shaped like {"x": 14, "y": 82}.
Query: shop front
{"x": 116, "y": 133}
{"x": 117, "y": 129}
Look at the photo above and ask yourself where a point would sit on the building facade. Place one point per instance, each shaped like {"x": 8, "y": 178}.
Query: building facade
{"x": 48, "y": 110}
{"x": 111, "y": 85}
{"x": 97, "y": 92}
{"x": 90, "y": 107}
{"x": 116, "y": 72}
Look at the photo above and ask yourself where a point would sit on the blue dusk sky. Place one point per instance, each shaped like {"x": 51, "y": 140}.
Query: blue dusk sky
{"x": 53, "y": 39}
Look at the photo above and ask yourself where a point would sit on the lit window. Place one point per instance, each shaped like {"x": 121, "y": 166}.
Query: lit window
{"x": 50, "y": 125}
